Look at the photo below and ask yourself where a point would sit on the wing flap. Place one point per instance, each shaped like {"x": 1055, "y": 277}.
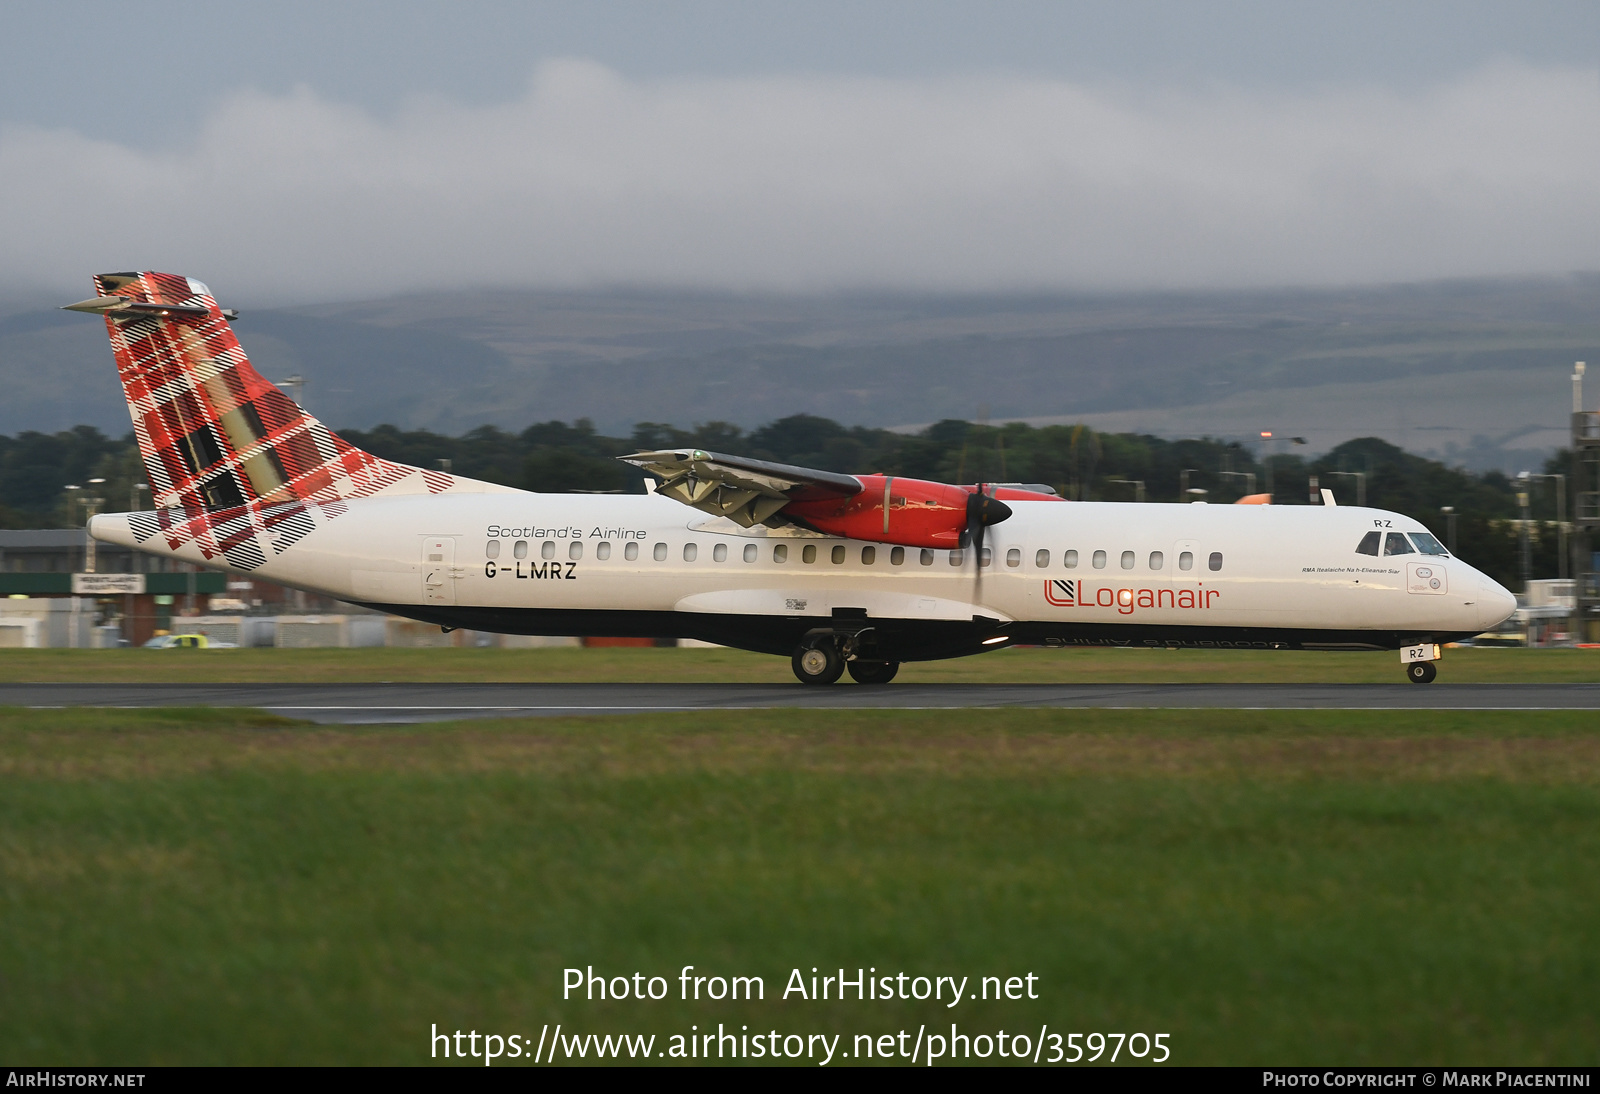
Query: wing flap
{"x": 746, "y": 491}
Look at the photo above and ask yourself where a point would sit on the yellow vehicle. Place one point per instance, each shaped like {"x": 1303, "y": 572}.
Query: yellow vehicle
{"x": 185, "y": 642}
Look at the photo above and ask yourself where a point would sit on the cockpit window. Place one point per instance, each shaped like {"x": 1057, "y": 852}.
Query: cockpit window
{"x": 1369, "y": 544}
{"x": 1428, "y": 545}
{"x": 1397, "y": 544}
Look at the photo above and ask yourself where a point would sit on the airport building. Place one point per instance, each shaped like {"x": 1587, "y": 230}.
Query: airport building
{"x": 60, "y": 589}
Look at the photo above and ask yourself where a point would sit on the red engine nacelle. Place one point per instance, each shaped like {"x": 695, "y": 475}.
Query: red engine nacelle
{"x": 908, "y": 512}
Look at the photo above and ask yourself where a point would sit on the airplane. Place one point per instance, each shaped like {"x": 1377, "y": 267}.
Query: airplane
{"x": 840, "y": 573}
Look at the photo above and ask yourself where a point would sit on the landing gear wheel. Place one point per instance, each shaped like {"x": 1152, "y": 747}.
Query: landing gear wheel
{"x": 819, "y": 664}
{"x": 1422, "y": 672}
{"x": 873, "y": 672}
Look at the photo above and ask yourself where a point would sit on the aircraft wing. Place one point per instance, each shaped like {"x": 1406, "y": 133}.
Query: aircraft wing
{"x": 747, "y": 491}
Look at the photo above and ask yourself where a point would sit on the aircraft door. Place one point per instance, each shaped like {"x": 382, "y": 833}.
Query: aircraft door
{"x": 1185, "y": 570}
{"x": 439, "y": 570}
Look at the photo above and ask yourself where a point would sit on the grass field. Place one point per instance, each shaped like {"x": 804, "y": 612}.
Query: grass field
{"x": 1268, "y": 887}
{"x": 1481, "y": 665}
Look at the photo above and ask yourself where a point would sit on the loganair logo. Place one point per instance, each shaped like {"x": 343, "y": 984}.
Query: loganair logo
{"x": 1126, "y": 599}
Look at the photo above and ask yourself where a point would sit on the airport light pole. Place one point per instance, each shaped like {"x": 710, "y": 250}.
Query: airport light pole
{"x": 1449, "y": 512}
{"x": 91, "y": 506}
{"x": 1527, "y": 548}
{"x": 1137, "y": 484}
{"x": 1249, "y": 478}
{"x": 134, "y": 565}
{"x": 296, "y": 385}
{"x": 1361, "y": 485}
{"x": 1561, "y": 512}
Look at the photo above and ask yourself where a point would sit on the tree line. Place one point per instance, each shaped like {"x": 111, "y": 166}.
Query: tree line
{"x": 1079, "y": 463}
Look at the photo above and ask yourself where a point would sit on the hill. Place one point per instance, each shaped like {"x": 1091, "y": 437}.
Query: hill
{"x": 1474, "y": 373}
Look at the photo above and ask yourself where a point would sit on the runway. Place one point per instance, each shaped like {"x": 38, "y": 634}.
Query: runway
{"x": 398, "y": 703}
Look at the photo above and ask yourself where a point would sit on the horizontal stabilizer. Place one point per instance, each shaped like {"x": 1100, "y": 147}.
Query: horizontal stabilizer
{"x": 120, "y": 307}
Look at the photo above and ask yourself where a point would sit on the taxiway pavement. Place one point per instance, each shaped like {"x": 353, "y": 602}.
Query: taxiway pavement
{"x": 393, "y": 703}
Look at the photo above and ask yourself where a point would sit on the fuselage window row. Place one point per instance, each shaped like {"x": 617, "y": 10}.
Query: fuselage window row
{"x": 1393, "y": 544}
{"x": 1128, "y": 559}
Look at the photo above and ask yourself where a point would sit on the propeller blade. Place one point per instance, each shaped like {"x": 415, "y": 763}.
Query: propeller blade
{"x": 982, "y": 511}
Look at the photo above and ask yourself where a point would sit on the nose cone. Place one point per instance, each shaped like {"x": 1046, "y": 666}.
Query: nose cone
{"x": 1495, "y": 602}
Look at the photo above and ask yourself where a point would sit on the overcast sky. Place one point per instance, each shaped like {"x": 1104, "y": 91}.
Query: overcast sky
{"x": 306, "y": 151}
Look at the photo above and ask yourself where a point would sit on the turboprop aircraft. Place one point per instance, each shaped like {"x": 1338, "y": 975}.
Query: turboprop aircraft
{"x": 837, "y": 572}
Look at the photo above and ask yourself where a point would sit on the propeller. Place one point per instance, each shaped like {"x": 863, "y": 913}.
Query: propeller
{"x": 982, "y": 511}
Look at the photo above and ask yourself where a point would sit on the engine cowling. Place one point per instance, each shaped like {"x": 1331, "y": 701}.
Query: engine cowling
{"x": 907, "y": 512}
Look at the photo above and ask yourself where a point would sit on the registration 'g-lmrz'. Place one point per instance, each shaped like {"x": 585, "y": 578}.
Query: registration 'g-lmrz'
{"x": 857, "y": 572}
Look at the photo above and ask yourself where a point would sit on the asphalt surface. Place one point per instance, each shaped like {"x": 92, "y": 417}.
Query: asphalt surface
{"x": 390, "y": 703}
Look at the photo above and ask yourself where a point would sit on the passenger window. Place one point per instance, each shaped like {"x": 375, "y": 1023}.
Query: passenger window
{"x": 547, "y": 549}
{"x": 574, "y": 549}
{"x": 808, "y": 554}
{"x": 780, "y": 552}
{"x": 493, "y": 549}
{"x": 926, "y": 558}
{"x": 1099, "y": 560}
{"x": 659, "y": 552}
{"x": 1215, "y": 561}
{"x": 1156, "y": 560}
{"x": 1127, "y": 560}
{"x": 897, "y": 556}
{"x": 1041, "y": 559}
{"x": 750, "y": 552}
{"x": 631, "y": 552}
{"x": 956, "y": 557}
{"x": 719, "y": 553}
{"x": 690, "y": 552}
{"x": 1070, "y": 560}
{"x": 1428, "y": 545}
{"x": 1014, "y": 557}
{"x": 602, "y": 551}
{"x": 519, "y": 549}
{"x": 986, "y": 558}
{"x": 1396, "y": 544}
{"x": 1369, "y": 544}
{"x": 837, "y": 554}
{"x": 1186, "y": 560}
{"x": 869, "y": 555}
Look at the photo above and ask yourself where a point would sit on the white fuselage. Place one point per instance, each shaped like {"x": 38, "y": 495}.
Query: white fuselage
{"x": 531, "y": 562}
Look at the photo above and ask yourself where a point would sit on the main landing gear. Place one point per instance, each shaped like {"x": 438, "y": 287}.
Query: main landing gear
{"x": 823, "y": 659}
{"x": 818, "y": 664}
{"x": 873, "y": 672}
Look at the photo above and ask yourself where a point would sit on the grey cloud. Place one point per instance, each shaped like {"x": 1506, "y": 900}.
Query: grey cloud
{"x": 826, "y": 182}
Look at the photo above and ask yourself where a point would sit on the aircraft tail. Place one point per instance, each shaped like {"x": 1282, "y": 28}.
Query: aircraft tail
{"x": 234, "y": 464}
{"x": 213, "y": 433}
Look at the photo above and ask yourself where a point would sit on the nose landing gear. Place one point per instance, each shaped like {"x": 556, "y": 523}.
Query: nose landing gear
{"x": 1422, "y": 672}
{"x": 1419, "y": 662}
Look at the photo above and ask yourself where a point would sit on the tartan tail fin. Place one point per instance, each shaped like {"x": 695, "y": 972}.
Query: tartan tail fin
{"x": 213, "y": 433}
